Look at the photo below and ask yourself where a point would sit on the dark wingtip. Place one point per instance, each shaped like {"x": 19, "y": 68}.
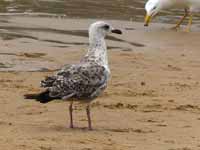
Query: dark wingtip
{"x": 30, "y": 96}
{"x": 117, "y": 31}
{"x": 42, "y": 97}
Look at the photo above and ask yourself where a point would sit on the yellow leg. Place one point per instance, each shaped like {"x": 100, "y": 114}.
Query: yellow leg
{"x": 181, "y": 20}
{"x": 36, "y": 3}
{"x": 189, "y": 24}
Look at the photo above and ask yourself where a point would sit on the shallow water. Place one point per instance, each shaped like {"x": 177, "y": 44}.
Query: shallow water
{"x": 108, "y": 9}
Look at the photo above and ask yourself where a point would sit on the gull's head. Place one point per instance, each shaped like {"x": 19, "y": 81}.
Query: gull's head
{"x": 100, "y": 29}
{"x": 152, "y": 7}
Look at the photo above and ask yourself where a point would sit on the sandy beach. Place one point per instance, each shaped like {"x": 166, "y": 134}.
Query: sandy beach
{"x": 152, "y": 101}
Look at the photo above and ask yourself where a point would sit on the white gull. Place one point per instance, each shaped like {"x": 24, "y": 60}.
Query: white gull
{"x": 153, "y": 7}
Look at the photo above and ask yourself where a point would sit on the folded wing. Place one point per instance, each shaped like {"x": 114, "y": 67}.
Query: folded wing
{"x": 83, "y": 81}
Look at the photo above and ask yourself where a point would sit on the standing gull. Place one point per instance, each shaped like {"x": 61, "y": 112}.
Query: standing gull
{"x": 154, "y": 6}
{"x": 84, "y": 81}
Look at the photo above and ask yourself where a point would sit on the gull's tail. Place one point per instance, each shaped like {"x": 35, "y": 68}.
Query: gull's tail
{"x": 42, "y": 97}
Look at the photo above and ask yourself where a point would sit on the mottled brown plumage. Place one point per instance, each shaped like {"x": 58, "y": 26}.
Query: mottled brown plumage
{"x": 84, "y": 81}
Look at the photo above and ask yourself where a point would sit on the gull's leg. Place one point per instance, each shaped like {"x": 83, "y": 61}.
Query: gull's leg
{"x": 36, "y": 2}
{"x": 181, "y": 20}
{"x": 189, "y": 23}
{"x": 88, "y": 116}
{"x": 71, "y": 114}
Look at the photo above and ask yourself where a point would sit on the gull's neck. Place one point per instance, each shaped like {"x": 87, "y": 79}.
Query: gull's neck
{"x": 97, "y": 51}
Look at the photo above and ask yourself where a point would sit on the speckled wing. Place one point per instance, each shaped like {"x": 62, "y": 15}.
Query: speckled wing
{"x": 83, "y": 81}
{"x": 49, "y": 81}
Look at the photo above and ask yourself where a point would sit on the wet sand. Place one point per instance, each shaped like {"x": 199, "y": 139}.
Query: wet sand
{"x": 107, "y": 9}
{"x": 152, "y": 101}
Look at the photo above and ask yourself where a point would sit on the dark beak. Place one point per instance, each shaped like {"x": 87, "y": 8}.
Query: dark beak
{"x": 117, "y": 31}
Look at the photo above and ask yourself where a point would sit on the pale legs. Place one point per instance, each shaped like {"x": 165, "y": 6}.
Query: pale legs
{"x": 88, "y": 115}
{"x": 35, "y": 2}
{"x": 71, "y": 114}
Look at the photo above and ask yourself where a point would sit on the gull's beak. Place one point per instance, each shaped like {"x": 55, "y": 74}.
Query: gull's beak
{"x": 117, "y": 31}
{"x": 147, "y": 20}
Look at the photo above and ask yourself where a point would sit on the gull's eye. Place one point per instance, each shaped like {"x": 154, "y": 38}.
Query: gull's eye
{"x": 154, "y": 7}
{"x": 106, "y": 27}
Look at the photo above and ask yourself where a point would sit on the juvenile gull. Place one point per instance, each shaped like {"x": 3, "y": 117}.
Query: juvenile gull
{"x": 154, "y": 6}
{"x": 84, "y": 81}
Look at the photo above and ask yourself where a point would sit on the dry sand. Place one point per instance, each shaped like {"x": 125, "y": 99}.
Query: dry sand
{"x": 152, "y": 101}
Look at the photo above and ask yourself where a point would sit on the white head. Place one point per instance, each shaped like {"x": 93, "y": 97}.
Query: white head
{"x": 152, "y": 8}
{"x": 99, "y": 30}
{"x": 98, "y": 50}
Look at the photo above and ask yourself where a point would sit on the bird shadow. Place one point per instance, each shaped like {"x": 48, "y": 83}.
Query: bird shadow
{"x": 66, "y": 129}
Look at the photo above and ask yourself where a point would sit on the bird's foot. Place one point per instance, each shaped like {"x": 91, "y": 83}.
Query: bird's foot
{"x": 175, "y": 28}
{"x": 71, "y": 126}
{"x": 90, "y": 128}
{"x": 187, "y": 30}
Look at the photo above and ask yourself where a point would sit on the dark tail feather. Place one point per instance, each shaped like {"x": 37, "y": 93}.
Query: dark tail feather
{"x": 42, "y": 97}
